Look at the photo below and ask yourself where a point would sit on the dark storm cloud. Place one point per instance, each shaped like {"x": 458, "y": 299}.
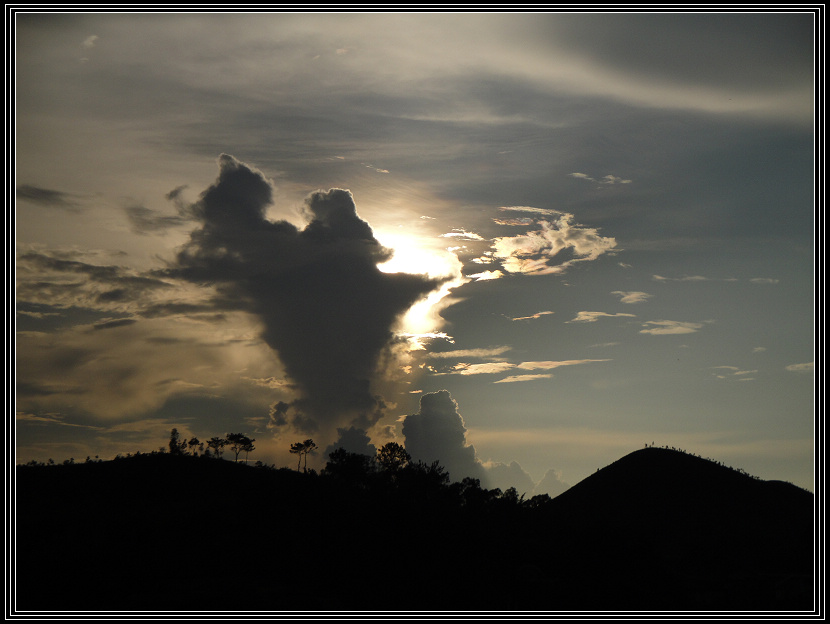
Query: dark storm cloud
{"x": 326, "y": 307}
{"x": 46, "y": 197}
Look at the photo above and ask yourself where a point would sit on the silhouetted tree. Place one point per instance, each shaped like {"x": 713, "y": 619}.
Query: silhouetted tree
{"x": 193, "y": 443}
{"x": 302, "y": 449}
{"x": 353, "y": 467}
{"x": 176, "y": 445}
{"x": 240, "y": 442}
{"x": 392, "y": 457}
{"x": 218, "y": 445}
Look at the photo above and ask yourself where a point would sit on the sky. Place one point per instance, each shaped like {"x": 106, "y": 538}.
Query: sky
{"x": 522, "y": 244}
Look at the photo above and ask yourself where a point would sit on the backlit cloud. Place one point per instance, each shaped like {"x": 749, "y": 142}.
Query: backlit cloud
{"x": 807, "y": 367}
{"x": 292, "y": 279}
{"x": 554, "y": 364}
{"x": 538, "y": 252}
{"x": 531, "y": 317}
{"x": 586, "y": 316}
{"x": 520, "y": 378}
{"x": 634, "y": 296}
{"x": 661, "y": 328}
{"x": 470, "y": 353}
{"x": 461, "y": 234}
{"x": 607, "y": 179}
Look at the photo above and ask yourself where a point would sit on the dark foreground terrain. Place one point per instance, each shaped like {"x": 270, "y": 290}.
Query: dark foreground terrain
{"x": 656, "y": 530}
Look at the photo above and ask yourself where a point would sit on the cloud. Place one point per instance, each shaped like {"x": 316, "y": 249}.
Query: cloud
{"x": 759, "y": 349}
{"x": 807, "y": 367}
{"x": 520, "y": 378}
{"x": 488, "y": 368}
{"x": 144, "y": 220}
{"x": 607, "y": 179}
{"x": 531, "y": 317}
{"x": 538, "y": 252}
{"x": 437, "y": 433}
{"x": 504, "y": 476}
{"x": 353, "y": 440}
{"x": 491, "y": 368}
{"x": 467, "y": 353}
{"x": 486, "y": 275}
{"x": 462, "y": 234}
{"x": 61, "y": 280}
{"x": 551, "y": 484}
{"x": 734, "y": 371}
{"x": 324, "y": 305}
{"x": 89, "y": 42}
{"x": 634, "y": 296}
{"x": 592, "y": 317}
{"x": 531, "y": 209}
{"x": 554, "y": 364}
{"x": 763, "y": 280}
{"x": 660, "y": 328}
{"x": 46, "y": 197}
{"x": 518, "y": 221}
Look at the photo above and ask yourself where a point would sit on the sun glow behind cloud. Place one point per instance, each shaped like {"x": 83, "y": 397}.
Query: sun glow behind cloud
{"x": 422, "y": 256}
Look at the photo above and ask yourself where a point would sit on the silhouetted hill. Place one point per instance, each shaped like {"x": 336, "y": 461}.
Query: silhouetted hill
{"x": 705, "y": 534}
{"x": 657, "y": 529}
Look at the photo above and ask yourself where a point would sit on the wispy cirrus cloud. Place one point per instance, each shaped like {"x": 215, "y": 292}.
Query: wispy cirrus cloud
{"x": 47, "y": 197}
{"x": 531, "y": 317}
{"x": 634, "y": 296}
{"x": 490, "y": 368}
{"x": 664, "y": 328}
{"x": 806, "y": 367}
{"x": 520, "y": 378}
{"x": 703, "y": 278}
{"x": 586, "y": 316}
{"x": 468, "y": 353}
{"x": 462, "y": 234}
{"x": 607, "y": 179}
{"x": 727, "y": 372}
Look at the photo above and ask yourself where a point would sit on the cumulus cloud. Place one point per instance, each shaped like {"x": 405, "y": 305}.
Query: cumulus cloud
{"x": 555, "y": 246}
{"x": 551, "y": 484}
{"x": 634, "y": 296}
{"x": 89, "y": 42}
{"x": 325, "y": 306}
{"x": 437, "y": 433}
{"x": 660, "y": 328}
{"x": 592, "y": 317}
{"x": 353, "y": 440}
